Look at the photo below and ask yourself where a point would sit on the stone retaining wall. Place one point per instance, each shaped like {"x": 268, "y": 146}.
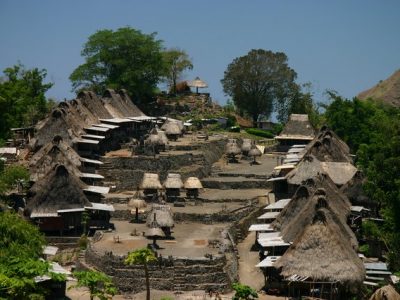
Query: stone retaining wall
{"x": 169, "y": 273}
{"x": 126, "y": 172}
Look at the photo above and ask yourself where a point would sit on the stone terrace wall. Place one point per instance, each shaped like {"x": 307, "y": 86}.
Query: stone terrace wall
{"x": 126, "y": 172}
{"x": 178, "y": 273}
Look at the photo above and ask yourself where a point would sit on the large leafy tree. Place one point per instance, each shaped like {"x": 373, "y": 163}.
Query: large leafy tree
{"x": 258, "y": 81}
{"x": 22, "y": 97}
{"x": 21, "y": 245}
{"x": 143, "y": 257}
{"x": 176, "y": 62}
{"x": 125, "y": 58}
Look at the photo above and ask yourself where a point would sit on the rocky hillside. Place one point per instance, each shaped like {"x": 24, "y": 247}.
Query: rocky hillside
{"x": 387, "y": 90}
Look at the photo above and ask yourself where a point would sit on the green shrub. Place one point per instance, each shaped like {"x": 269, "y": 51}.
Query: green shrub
{"x": 364, "y": 249}
{"x": 260, "y": 132}
{"x": 234, "y": 129}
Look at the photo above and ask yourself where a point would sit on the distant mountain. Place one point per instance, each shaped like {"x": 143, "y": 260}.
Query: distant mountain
{"x": 387, "y": 90}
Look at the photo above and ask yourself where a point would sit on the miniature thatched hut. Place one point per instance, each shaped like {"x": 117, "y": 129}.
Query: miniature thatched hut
{"x": 161, "y": 216}
{"x": 246, "y": 146}
{"x": 298, "y": 130}
{"x": 231, "y": 150}
{"x": 254, "y": 152}
{"x": 173, "y": 185}
{"x": 172, "y": 129}
{"x": 136, "y": 203}
{"x": 386, "y": 292}
{"x": 197, "y": 83}
{"x": 150, "y": 185}
{"x": 192, "y": 186}
{"x": 320, "y": 258}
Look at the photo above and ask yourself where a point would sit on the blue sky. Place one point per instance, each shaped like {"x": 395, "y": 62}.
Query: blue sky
{"x": 346, "y": 46}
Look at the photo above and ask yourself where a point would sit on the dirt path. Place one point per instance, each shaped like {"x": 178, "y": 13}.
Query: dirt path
{"x": 248, "y": 273}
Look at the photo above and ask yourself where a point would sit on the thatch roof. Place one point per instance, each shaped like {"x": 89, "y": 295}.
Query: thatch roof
{"x": 327, "y": 146}
{"x": 298, "y": 127}
{"x": 119, "y": 104}
{"x": 59, "y": 189}
{"x": 94, "y": 104}
{"x": 319, "y": 190}
{"x": 154, "y": 232}
{"x": 386, "y": 292}
{"x": 246, "y": 145}
{"x": 321, "y": 254}
{"x": 153, "y": 139}
{"x": 137, "y": 203}
{"x": 171, "y": 128}
{"x": 160, "y": 215}
{"x": 197, "y": 83}
{"x": 193, "y": 183}
{"x": 173, "y": 181}
{"x": 232, "y": 148}
{"x": 55, "y": 153}
{"x": 254, "y": 151}
{"x": 150, "y": 181}
{"x": 310, "y": 166}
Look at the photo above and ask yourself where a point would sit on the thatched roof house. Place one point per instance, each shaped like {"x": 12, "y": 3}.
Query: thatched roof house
{"x": 310, "y": 166}
{"x": 119, "y": 104}
{"x": 173, "y": 181}
{"x": 328, "y": 147}
{"x": 320, "y": 254}
{"x": 298, "y": 130}
{"x": 318, "y": 192}
{"x": 55, "y": 153}
{"x": 193, "y": 183}
{"x": 58, "y": 190}
{"x": 386, "y": 292}
{"x": 150, "y": 181}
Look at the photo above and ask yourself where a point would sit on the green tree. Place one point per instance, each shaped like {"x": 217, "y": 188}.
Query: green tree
{"x": 125, "y": 58}
{"x": 11, "y": 176}
{"x": 21, "y": 245}
{"x": 258, "y": 81}
{"x": 243, "y": 292}
{"x": 22, "y": 98}
{"x": 176, "y": 62}
{"x": 142, "y": 256}
{"x": 98, "y": 283}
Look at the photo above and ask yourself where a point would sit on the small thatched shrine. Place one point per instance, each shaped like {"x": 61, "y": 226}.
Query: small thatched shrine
{"x": 231, "y": 150}
{"x": 161, "y": 216}
{"x": 321, "y": 262}
{"x": 192, "y": 186}
{"x": 172, "y": 129}
{"x": 298, "y": 130}
{"x": 150, "y": 185}
{"x": 173, "y": 185}
{"x": 246, "y": 146}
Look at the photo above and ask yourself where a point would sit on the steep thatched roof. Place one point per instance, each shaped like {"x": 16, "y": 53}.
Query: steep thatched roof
{"x": 119, "y": 104}
{"x": 386, "y": 292}
{"x": 94, "y": 104}
{"x": 353, "y": 189}
{"x": 55, "y": 153}
{"x": 310, "y": 166}
{"x": 298, "y": 127}
{"x": 150, "y": 181}
{"x": 160, "y": 214}
{"x": 59, "y": 189}
{"x": 321, "y": 254}
{"x": 328, "y": 147}
{"x": 193, "y": 183}
{"x": 300, "y": 210}
{"x": 173, "y": 181}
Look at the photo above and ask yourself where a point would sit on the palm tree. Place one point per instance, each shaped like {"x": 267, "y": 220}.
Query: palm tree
{"x": 142, "y": 256}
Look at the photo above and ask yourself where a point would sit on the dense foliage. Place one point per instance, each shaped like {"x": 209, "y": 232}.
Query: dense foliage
{"x": 121, "y": 59}
{"x": 176, "y": 62}
{"x": 12, "y": 175}
{"x": 259, "y": 81}
{"x": 22, "y": 98}
{"x": 260, "y": 132}
{"x": 372, "y": 130}
{"x": 243, "y": 292}
{"x": 20, "y": 247}
{"x": 98, "y": 283}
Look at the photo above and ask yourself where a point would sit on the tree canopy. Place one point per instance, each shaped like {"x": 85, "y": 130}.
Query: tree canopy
{"x": 22, "y": 98}
{"x": 260, "y": 81}
{"x": 372, "y": 130}
{"x": 125, "y": 58}
{"x": 176, "y": 62}
{"x": 98, "y": 283}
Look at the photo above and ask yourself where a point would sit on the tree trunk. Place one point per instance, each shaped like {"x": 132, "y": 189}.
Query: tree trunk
{"x": 146, "y": 273}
